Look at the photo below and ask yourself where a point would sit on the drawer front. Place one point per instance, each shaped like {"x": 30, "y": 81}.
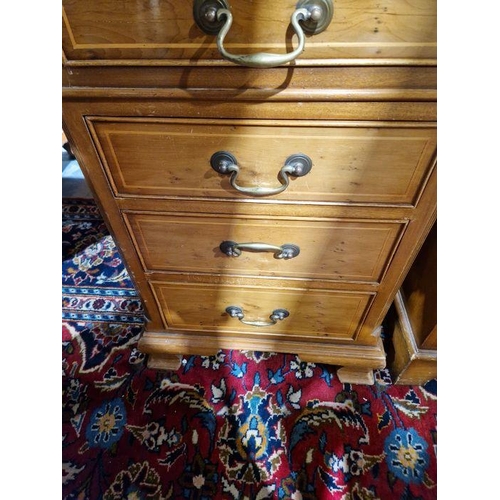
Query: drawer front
{"x": 326, "y": 249}
{"x": 350, "y": 162}
{"x": 106, "y": 29}
{"x": 318, "y": 314}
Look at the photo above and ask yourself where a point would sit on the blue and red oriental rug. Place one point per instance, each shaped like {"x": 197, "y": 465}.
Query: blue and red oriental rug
{"x": 239, "y": 425}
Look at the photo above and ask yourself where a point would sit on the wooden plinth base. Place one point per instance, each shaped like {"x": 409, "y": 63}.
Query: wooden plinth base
{"x": 412, "y": 365}
{"x": 356, "y": 363}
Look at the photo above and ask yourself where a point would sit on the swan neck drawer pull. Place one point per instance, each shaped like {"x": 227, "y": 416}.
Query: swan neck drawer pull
{"x": 286, "y": 251}
{"x": 310, "y": 16}
{"x": 296, "y": 165}
{"x": 277, "y": 315}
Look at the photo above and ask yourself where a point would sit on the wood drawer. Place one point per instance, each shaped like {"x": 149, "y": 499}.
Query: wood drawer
{"x": 351, "y": 161}
{"x": 313, "y": 313}
{"x": 106, "y": 29}
{"x": 333, "y": 249}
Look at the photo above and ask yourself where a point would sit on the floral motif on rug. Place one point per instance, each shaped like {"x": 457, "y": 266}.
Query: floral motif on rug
{"x": 237, "y": 425}
{"x": 96, "y": 285}
{"x": 82, "y": 225}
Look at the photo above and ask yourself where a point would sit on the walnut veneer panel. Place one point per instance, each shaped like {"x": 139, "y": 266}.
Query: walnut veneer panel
{"x": 103, "y": 29}
{"x": 329, "y": 249}
{"x": 351, "y": 162}
{"x": 315, "y": 314}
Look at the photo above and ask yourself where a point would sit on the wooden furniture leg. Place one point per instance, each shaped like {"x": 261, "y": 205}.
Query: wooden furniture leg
{"x": 352, "y": 375}
{"x": 169, "y": 362}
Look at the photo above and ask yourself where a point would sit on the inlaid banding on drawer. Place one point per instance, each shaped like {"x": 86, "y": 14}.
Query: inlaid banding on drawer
{"x": 345, "y": 250}
{"x": 327, "y": 314}
{"x": 395, "y": 28}
{"x": 383, "y": 164}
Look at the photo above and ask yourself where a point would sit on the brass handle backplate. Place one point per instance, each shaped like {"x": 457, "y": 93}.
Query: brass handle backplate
{"x": 277, "y": 315}
{"x": 233, "y": 249}
{"x": 296, "y": 165}
{"x": 310, "y": 16}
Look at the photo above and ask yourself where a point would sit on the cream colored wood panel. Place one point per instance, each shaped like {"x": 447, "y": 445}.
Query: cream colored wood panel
{"x": 107, "y": 29}
{"x": 329, "y": 249}
{"x": 318, "y": 314}
{"x": 351, "y": 162}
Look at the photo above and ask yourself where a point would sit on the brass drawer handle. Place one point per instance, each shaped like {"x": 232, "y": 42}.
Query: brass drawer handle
{"x": 297, "y": 165}
{"x": 286, "y": 251}
{"x": 314, "y": 16}
{"x": 277, "y": 315}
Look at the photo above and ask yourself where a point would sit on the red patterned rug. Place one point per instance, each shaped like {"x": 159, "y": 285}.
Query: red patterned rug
{"x": 239, "y": 425}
